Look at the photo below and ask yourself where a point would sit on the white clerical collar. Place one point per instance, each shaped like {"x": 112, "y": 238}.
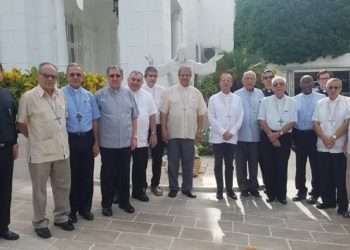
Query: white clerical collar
{"x": 335, "y": 100}
{"x": 310, "y": 94}
{"x": 226, "y": 95}
{"x": 249, "y": 91}
{"x": 147, "y": 86}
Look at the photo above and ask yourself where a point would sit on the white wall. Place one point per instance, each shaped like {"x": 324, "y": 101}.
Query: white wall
{"x": 144, "y": 28}
{"x": 216, "y": 23}
{"x": 32, "y": 31}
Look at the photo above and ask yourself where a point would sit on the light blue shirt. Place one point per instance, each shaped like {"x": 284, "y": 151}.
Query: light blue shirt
{"x": 305, "y": 108}
{"x": 81, "y": 109}
{"x": 118, "y": 110}
{"x": 250, "y": 130}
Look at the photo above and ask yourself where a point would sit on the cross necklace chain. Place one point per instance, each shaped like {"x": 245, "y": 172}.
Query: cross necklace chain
{"x": 279, "y": 111}
{"x": 332, "y": 113}
{"x": 78, "y": 115}
{"x": 53, "y": 106}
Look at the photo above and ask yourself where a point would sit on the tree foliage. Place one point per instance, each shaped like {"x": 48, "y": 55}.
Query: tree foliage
{"x": 288, "y": 31}
{"x": 237, "y": 63}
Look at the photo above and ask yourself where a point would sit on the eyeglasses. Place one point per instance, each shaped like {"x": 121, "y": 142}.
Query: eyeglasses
{"x": 114, "y": 75}
{"x": 74, "y": 74}
{"x": 333, "y": 87}
{"x": 324, "y": 78}
{"x": 278, "y": 84}
{"x": 136, "y": 79}
{"x": 48, "y": 76}
{"x": 268, "y": 77}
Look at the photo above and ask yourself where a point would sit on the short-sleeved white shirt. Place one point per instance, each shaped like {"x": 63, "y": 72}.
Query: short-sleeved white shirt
{"x": 183, "y": 105}
{"x": 156, "y": 92}
{"x": 277, "y": 112}
{"x": 146, "y": 107}
{"x": 331, "y": 114}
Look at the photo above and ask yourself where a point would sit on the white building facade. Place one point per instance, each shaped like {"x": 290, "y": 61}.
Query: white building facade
{"x": 98, "y": 33}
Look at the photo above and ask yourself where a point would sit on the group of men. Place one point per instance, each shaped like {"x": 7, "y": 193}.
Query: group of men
{"x": 67, "y": 128}
{"x": 260, "y": 127}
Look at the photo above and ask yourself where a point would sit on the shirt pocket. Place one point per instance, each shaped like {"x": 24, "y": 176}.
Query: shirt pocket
{"x": 286, "y": 116}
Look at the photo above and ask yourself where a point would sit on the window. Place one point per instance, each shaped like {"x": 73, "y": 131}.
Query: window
{"x": 343, "y": 75}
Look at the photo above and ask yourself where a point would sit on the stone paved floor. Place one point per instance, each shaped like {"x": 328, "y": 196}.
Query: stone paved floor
{"x": 186, "y": 224}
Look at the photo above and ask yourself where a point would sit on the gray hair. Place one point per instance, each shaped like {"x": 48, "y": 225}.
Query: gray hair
{"x": 116, "y": 67}
{"x": 73, "y": 65}
{"x": 250, "y": 73}
{"x": 41, "y": 65}
{"x": 136, "y": 72}
{"x": 279, "y": 78}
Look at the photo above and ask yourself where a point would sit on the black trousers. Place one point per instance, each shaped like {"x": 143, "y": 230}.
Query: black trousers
{"x": 333, "y": 179}
{"x": 226, "y": 152}
{"x": 82, "y": 171}
{"x": 6, "y": 173}
{"x": 139, "y": 166}
{"x": 276, "y": 166}
{"x": 157, "y": 158}
{"x": 305, "y": 147}
{"x": 247, "y": 157}
{"x": 262, "y": 145}
{"x": 115, "y": 169}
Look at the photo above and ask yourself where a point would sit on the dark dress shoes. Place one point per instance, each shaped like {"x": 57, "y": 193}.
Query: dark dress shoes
{"x": 245, "y": 193}
{"x": 107, "y": 211}
{"x": 270, "y": 199}
{"x": 172, "y": 193}
{"x": 87, "y": 216}
{"x": 128, "y": 208}
{"x": 66, "y": 226}
{"x": 325, "y": 206}
{"x": 141, "y": 197}
{"x": 219, "y": 196}
{"x": 299, "y": 197}
{"x": 43, "y": 232}
{"x": 73, "y": 217}
{"x": 232, "y": 195}
{"x": 156, "y": 191}
{"x": 255, "y": 193}
{"x": 283, "y": 201}
{"x": 9, "y": 235}
{"x": 312, "y": 200}
{"x": 189, "y": 194}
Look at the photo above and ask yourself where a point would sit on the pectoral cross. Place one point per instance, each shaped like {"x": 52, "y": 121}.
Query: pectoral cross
{"x": 332, "y": 122}
{"x": 280, "y": 122}
{"x": 58, "y": 119}
{"x": 79, "y": 117}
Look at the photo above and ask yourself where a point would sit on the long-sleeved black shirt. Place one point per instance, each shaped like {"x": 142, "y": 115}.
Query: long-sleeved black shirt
{"x": 8, "y": 112}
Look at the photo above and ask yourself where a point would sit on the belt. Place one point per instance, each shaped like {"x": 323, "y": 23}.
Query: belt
{"x": 81, "y": 133}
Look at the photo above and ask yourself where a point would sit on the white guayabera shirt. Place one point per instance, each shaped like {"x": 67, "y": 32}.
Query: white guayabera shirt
{"x": 225, "y": 113}
{"x": 331, "y": 115}
{"x": 278, "y": 112}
